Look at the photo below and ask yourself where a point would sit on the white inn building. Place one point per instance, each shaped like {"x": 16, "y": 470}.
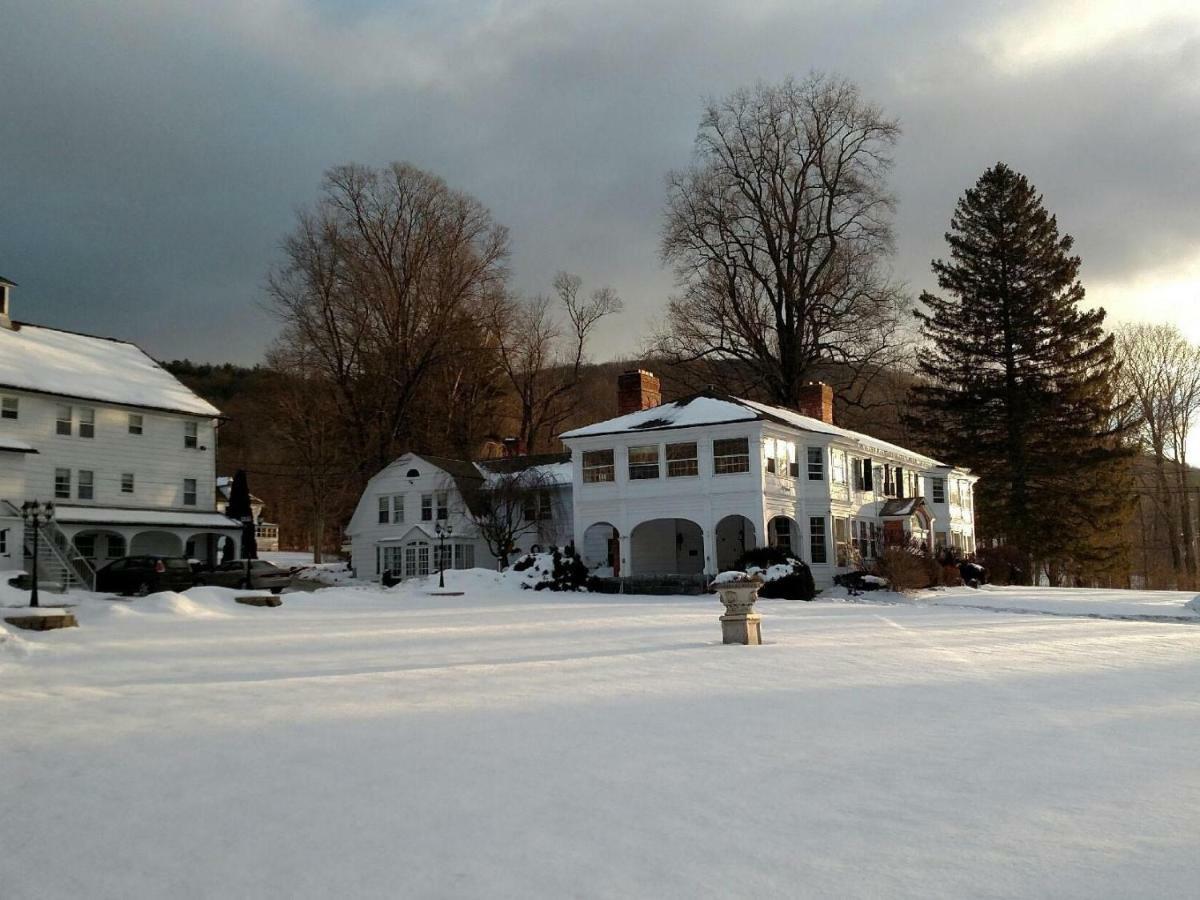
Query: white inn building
{"x": 124, "y": 450}
{"x": 684, "y": 488}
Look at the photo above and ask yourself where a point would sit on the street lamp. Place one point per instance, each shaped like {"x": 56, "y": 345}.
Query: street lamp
{"x": 36, "y": 514}
{"x": 442, "y": 532}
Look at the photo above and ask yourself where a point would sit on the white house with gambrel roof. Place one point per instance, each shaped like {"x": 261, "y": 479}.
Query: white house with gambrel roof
{"x": 124, "y": 451}
{"x": 683, "y": 488}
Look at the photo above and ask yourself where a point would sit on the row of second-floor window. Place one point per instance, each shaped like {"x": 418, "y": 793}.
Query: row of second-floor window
{"x": 81, "y": 421}
{"x": 860, "y": 536}
{"x": 84, "y": 482}
{"x": 434, "y": 507}
{"x": 730, "y": 456}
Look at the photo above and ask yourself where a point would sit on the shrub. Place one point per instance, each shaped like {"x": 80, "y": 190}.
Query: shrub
{"x": 908, "y": 567}
{"x": 859, "y": 581}
{"x": 784, "y": 576}
{"x": 559, "y": 570}
{"x": 1002, "y": 565}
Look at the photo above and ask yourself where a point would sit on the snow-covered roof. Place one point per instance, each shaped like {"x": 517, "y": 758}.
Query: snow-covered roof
{"x": 710, "y": 409}
{"x": 7, "y": 443}
{"x": 101, "y": 515}
{"x": 544, "y": 469}
{"x": 49, "y": 361}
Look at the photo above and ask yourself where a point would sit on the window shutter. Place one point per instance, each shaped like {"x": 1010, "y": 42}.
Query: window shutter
{"x": 868, "y": 482}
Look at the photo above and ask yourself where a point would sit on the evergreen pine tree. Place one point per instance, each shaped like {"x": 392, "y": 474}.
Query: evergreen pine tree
{"x": 1020, "y": 384}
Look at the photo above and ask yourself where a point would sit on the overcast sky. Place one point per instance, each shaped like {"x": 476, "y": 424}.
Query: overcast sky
{"x": 152, "y": 154}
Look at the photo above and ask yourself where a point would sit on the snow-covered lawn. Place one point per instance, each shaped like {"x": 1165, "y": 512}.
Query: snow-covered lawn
{"x": 366, "y": 743}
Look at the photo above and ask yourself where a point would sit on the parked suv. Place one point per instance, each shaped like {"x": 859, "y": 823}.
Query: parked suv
{"x": 141, "y": 575}
{"x": 264, "y": 575}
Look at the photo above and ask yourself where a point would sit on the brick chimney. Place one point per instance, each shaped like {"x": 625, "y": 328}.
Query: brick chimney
{"x": 513, "y": 447}
{"x": 637, "y": 389}
{"x": 816, "y": 401}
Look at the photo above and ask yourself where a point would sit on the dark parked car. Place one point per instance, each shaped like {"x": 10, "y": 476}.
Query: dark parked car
{"x": 264, "y": 576}
{"x": 143, "y": 575}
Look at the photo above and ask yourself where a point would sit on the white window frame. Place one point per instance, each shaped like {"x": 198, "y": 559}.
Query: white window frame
{"x": 383, "y": 514}
{"x": 85, "y": 484}
{"x": 725, "y": 463}
{"x": 194, "y": 493}
{"x": 427, "y": 507}
{"x": 137, "y": 424}
{"x": 62, "y": 484}
{"x": 683, "y": 466}
{"x": 816, "y": 540}
{"x": 87, "y": 422}
{"x": 128, "y": 483}
{"x": 10, "y": 407}
{"x": 64, "y": 426}
{"x": 814, "y": 463}
{"x": 464, "y": 556}
{"x": 599, "y": 472}
{"x": 937, "y": 490}
{"x": 647, "y": 468}
{"x": 191, "y": 435}
{"x": 397, "y": 509}
{"x": 441, "y": 501}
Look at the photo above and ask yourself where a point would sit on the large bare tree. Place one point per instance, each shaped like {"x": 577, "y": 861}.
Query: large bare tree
{"x": 384, "y": 281}
{"x": 508, "y": 506}
{"x": 544, "y": 357}
{"x": 1160, "y": 376}
{"x": 779, "y": 233}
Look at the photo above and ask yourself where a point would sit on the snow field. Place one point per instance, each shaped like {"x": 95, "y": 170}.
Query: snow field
{"x": 508, "y": 743}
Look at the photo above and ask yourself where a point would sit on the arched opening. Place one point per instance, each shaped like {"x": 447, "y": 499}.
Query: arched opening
{"x": 735, "y": 535}
{"x": 100, "y": 547}
{"x": 666, "y": 547}
{"x": 601, "y": 549}
{"x": 155, "y": 543}
{"x": 783, "y": 532}
{"x": 211, "y": 547}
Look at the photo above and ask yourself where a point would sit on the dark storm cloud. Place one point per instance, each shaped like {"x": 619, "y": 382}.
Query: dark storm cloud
{"x": 153, "y": 154}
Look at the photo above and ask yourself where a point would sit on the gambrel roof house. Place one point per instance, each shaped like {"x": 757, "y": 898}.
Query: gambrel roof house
{"x": 395, "y": 525}
{"x": 124, "y": 450}
{"x": 684, "y": 488}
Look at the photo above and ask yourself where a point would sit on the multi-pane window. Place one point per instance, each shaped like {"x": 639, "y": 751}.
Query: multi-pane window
{"x": 62, "y": 484}
{"x": 817, "y": 552}
{"x": 191, "y": 435}
{"x": 136, "y": 423}
{"x": 598, "y": 466}
{"x": 3, "y": 541}
{"x": 87, "y": 422}
{"x": 397, "y": 509}
{"x": 837, "y": 466}
{"x": 87, "y": 485}
{"x": 416, "y": 559}
{"x": 62, "y": 424}
{"x": 443, "y": 556}
{"x": 443, "y": 506}
{"x": 783, "y": 533}
{"x": 779, "y": 456}
{"x": 427, "y": 507}
{"x": 643, "y": 462}
{"x": 841, "y": 540}
{"x": 10, "y": 407}
{"x": 731, "y": 456}
{"x": 464, "y": 556}
{"x": 189, "y": 492}
{"x": 384, "y": 510}
{"x": 392, "y": 559}
{"x": 127, "y": 483}
{"x": 816, "y": 464}
{"x": 537, "y": 507}
{"x": 682, "y": 460}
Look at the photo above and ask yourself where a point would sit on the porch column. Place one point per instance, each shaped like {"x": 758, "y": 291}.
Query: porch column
{"x": 710, "y": 550}
{"x": 623, "y": 544}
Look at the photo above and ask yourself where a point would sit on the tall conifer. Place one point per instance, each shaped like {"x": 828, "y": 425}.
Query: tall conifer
{"x": 1020, "y": 383}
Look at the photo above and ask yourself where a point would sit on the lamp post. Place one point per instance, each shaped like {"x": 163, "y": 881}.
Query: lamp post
{"x": 36, "y": 514}
{"x": 442, "y": 532}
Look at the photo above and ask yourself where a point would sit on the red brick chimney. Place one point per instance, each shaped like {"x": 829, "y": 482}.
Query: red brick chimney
{"x": 637, "y": 389}
{"x": 816, "y": 401}
{"x": 513, "y": 447}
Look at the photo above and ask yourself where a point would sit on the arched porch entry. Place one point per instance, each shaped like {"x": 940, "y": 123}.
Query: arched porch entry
{"x": 735, "y": 535}
{"x": 155, "y": 543}
{"x": 784, "y": 532}
{"x": 99, "y": 546}
{"x": 211, "y": 547}
{"x": 601, "y": 549}
{"x": 667, "y": 547}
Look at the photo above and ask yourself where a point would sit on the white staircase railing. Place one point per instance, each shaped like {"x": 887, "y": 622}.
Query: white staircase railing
{"x": 59, "y": 564}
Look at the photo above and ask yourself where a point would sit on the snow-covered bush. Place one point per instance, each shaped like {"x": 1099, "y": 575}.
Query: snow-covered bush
{"x": 560, "y": 569}
{"x": 784, "y": 577}
{"x": 860, "y": 581}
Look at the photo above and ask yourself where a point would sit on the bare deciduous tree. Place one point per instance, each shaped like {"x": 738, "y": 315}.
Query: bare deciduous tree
{"x": 506, "y": 507}
{"x": 1161, "y": 377}
{"x": 778, "y": 234}
{"x": 379, "y": 281}
{"x": 543, "y": 358}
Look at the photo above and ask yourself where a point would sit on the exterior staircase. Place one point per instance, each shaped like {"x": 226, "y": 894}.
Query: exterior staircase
{"x": 60, "y": 567}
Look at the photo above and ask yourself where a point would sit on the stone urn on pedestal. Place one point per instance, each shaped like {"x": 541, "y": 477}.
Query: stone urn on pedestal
{"x": 739, "y": 592}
